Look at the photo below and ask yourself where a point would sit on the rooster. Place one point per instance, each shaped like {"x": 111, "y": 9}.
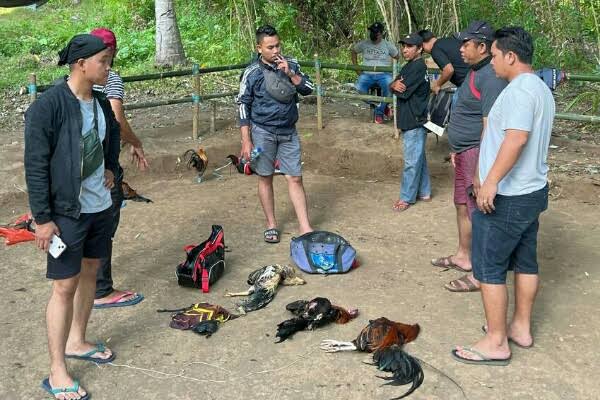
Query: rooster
{"x": 197, "y": 159}
{"x": 312, "y": 314}
{"x": 385, "y": 338}
{"x": 130, "y": 193}
{"x": 263, "y": 284}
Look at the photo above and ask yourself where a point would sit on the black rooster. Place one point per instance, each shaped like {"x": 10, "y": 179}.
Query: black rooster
{"x": 385, "y": 338}
{"x": 312, "y": 314}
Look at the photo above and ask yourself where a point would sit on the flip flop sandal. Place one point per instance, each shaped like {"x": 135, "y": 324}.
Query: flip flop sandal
{"x": 501, "y": 362}
{"x": 462, "y": 285}
{"x": 446, "y": 262}
{"x": 56, "y": 391}
{"x": 100, "y": 348}
{"x": 484, "y": 330}
{"x": 272, "y": 235}
{"x": 400, "y": 206}
{"x": 116, "y": 302}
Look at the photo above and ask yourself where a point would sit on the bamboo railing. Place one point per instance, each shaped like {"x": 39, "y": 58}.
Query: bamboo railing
{"x": 196, "y": 98}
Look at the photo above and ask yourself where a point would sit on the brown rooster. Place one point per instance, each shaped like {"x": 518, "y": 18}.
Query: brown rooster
{"x": 197, "y": 159}
{"x": 385, "y": 338}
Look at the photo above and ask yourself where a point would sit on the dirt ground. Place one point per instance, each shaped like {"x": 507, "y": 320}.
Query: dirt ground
{"x": 352, "y": 178}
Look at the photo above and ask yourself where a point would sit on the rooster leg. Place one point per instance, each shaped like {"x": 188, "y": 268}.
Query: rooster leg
{"x": 333, "y": 346}
{"x": 246, "y": 293}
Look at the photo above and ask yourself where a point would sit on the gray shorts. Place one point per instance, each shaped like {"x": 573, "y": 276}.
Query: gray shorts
{"x": 283, "y": 149}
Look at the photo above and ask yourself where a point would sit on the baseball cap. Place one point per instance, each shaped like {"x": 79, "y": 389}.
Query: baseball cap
{"x": 476, "y": 30}
{"x": 413, "y": 39}
{"x": 107, "y": 36}
{"x": 376, "y": 27}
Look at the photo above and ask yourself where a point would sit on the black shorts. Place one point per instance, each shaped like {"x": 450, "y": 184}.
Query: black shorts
{"x": 86, "y": 237}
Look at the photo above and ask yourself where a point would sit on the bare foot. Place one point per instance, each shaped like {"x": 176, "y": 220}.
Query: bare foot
{"x": 520, "y": 336}
{"x": 124, "y": 295}
{"x": 487, "y": 347}
{"x": 86, "y": 347}
{"x": 63, "y": 380}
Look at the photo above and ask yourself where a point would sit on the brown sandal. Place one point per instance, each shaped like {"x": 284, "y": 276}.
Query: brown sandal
{"x": 446, "y": 262}
{"x": 463, "y": 284}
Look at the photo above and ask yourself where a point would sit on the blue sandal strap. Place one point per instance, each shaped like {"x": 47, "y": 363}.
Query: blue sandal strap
{"x": 98, "y": 349}
{"x": 72, "y": 389}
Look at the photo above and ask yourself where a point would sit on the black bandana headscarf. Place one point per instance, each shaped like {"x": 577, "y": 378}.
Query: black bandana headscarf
{"x": 80, "y": 46}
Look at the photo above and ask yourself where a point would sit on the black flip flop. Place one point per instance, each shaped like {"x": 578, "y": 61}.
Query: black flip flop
{"x": 500, "y": 362}
{"x": 272, "y": 235}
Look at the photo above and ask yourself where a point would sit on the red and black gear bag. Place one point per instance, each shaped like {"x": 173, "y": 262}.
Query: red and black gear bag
{"x": 204, "y": 263}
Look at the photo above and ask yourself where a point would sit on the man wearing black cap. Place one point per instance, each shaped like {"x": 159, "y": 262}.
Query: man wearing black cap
{"x": 71, "y": 155}
{"x": 376, "y": 51}
{"x": 446, "y": 54}
{"x": 467, "y": 122}
{"x": 411, "y": 87}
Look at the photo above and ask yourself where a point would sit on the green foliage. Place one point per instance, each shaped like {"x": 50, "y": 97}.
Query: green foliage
{"x": 219, "y": 32}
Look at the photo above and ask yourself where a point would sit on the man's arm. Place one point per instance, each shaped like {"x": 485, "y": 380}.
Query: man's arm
{"x": 476, "y": 181}
{"x": 507, "y": 157}
{"x": 445, "y": 76}
{"x": 137, "y": 152}
{"x": 244, "y": 101}
{"x": 354, "y": 55}
{"x": 37, "y": 160}
{"x": 303, "y": 84}
{"x": 411, "y": 79}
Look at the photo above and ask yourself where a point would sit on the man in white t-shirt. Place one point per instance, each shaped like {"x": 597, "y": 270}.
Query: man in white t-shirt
{"x": 513, "y": 193}
{"x": 376, "y": 52}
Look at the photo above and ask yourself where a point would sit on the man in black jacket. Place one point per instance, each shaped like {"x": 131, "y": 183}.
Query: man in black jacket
{"x": 71, "y": 155}
{"x": 411, "y": 87}
{"x": 268, "y": 113}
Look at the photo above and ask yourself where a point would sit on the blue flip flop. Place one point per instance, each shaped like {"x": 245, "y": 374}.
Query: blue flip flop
{"x": 73, "y": 389}
{"x": 88, "y": 356}
{"x": 116, "y": 303}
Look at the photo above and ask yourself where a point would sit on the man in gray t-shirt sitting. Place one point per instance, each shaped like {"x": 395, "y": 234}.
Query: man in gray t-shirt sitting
{"x": 476, "y": 96}
{"x": 513, "y": 170}
{"x": 376, "y": 51}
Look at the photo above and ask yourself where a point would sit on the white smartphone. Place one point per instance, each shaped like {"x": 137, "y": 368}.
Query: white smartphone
{"x": 57, "y": 246}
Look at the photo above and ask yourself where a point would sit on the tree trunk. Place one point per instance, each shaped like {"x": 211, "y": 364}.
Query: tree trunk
{"x": 169, "y": 50}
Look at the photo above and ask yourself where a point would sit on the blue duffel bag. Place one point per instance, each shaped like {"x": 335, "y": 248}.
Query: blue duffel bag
{"x": 323, "y": 252}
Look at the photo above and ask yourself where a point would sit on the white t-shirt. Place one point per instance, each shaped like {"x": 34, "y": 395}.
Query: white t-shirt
{"x": 526, "y": 104}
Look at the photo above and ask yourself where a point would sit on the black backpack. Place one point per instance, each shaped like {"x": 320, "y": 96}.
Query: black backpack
{"x": 204, "y": 263}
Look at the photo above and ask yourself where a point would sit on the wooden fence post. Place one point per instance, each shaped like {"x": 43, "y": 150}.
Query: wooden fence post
{"x": 320, "y": 93}
{"x": 213, "y": 117}
{"x": 196, "y": 101}
{"x": 32, "y": 88}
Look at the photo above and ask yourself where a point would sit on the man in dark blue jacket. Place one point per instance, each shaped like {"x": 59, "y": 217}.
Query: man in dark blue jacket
{"x": 71, "y": 156}
{"x": 268, "y": 113}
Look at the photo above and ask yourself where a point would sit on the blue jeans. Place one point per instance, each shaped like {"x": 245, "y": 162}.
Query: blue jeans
{"x": 367, "y": 81}
{"x": 415, "y": 177}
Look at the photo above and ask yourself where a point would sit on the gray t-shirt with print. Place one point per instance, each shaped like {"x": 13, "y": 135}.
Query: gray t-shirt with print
{"x": 526, "y": 104}
{"x": 94, "y": 196}
{"x": 378, "y": 55}
{"x": 466, "y": 118}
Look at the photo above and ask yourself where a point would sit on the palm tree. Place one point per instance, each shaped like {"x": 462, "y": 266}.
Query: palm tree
{"x": 169, "y": 50}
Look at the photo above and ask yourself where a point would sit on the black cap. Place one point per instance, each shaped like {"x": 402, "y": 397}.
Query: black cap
{"x": 80, "y": 46}
{"x": 480, "y": 30}
{"x": 376, "y": 27}
{"x": 414, "y": 39}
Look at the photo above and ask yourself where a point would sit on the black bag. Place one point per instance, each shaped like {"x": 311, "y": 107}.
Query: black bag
{"x": 205, "y": 263}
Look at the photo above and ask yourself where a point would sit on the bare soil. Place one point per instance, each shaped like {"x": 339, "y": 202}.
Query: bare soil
{"x": 352, "y": 171}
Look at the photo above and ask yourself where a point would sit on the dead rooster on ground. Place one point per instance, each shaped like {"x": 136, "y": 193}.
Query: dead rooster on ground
{"x": 385, "y": 338}
{"x": 312, "y": 314}
{"x": 263, "y": 285}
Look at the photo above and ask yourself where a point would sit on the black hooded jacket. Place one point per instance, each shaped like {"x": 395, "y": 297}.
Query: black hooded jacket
{"x": 53, "y": 159}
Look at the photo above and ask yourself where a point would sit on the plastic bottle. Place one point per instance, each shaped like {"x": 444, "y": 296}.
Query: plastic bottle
{"x": 255, "y": 153}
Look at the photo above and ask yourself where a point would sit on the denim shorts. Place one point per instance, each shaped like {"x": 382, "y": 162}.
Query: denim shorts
{"x": 507, "y": 238}
{"x": 277, "y": 148}
{"x": 86, "y": 237}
